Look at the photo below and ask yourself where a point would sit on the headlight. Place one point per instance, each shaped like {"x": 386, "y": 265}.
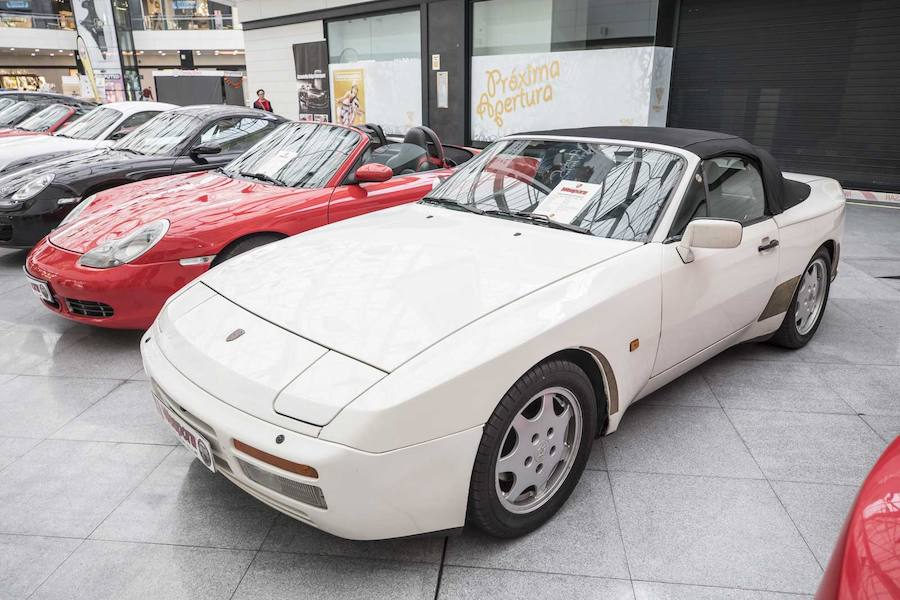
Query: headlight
{"x": 33, "y": 187}
{"x": 75, "y": 212}
{"x": 120, "y": 251}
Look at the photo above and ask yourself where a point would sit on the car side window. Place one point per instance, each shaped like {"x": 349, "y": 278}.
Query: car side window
{"x": 131, "y": 123}
{"x": 236, "y": 134}
{"x": 734, "y": 189}
{"x": 725, "y": 187}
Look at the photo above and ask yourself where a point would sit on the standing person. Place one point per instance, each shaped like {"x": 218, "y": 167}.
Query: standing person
{"x": 262, "y": 103}
{"x": 147, "y": 95}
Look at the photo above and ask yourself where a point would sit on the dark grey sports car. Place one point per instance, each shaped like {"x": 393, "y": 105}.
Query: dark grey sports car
{"x": 34, "y": 198}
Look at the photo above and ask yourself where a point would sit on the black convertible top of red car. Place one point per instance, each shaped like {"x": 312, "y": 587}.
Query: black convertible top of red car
{"x": 781, "y": 193}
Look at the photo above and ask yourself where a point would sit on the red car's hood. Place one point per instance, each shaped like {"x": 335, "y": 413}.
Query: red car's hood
{"x": 187, "y": 201}
{"x": 18, "y": 132}
{"x": 866, "y": 560}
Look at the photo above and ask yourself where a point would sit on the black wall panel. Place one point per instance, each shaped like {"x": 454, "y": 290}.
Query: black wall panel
{"x": 815, "y": 81}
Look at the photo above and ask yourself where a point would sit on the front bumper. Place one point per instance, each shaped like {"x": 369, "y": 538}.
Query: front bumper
{"x": 24, "y": 231}
{"x": 409, "y": 491}
{"x": 124, "y": 297}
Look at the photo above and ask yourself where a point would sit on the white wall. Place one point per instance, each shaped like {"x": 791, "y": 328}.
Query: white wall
{"x": 212, "y": 39}
{"x": 270, "y": 60}
{"x": 265, "y": 9}
{"x": 50, "y": 39}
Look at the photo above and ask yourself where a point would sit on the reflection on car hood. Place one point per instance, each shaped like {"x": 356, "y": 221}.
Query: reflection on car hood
{"x": 15, "y": 149}
{"x": 383, "y": 287}
{"x": 176, "y": 198}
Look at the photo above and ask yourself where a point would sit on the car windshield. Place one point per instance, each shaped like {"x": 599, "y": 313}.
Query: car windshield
{"x": 91, "y": 125}
{"x": 612, "y": 191}
{"x": 161, "y": 135}
{"x": 301, "y": 155}
{"x": 45, "y": 119}
{"x": 14, "y": 113}
{"x": 6, "y": 103}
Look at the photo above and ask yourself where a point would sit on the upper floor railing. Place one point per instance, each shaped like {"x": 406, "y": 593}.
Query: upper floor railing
{"x": 37, "y": 20}
{"x": 179, "y": 23}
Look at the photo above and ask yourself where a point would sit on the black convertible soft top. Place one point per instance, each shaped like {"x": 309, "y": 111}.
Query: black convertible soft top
{"x": 781, "y": 193}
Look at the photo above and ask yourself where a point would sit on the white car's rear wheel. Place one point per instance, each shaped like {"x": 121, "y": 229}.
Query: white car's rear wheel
{"x": 533, "y": 449}
{"x": 808, "y": 304}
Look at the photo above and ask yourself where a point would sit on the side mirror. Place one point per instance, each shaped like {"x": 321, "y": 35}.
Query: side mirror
{"x": 373, "y": 172}
{"x": 204, "y": 150}
{"x": 709, "y": 233}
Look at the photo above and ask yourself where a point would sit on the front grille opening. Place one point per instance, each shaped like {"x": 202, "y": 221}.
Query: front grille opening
{"x": 5, "y": 232}
{"x": 89, "y": 308}
{"x": 301, "y": 492}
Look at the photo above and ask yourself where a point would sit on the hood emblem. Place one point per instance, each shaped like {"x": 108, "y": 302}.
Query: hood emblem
{"x": 235, "y": 335}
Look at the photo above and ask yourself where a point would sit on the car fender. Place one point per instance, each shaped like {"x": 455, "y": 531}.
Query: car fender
{"x": 611, "y": 309}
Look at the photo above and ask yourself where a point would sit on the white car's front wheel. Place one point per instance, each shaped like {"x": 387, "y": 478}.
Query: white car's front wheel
{"x": 533, "y": 449}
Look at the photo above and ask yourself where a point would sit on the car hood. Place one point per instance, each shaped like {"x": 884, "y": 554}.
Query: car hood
{"x": 73, "y": 167}
{"x": 383, "y": 287}
{"x": 15, "y": 149}
{"x": 178, "y": 198}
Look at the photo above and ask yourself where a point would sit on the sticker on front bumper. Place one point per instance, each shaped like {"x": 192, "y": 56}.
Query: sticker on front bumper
{"x": 40, "y": 288}
{"x": 188, "y": 436}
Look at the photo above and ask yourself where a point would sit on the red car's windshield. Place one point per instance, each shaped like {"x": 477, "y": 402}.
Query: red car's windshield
{"x": 301, "y": 155}
{"x": 45, "y": 119}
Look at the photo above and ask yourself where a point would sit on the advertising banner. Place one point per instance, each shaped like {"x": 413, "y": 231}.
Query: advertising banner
{"x": 311, "y": 63}
{"x": 387, "y": 92}
{"x": 525, "y": 92}
{"x": 98, "y": 48}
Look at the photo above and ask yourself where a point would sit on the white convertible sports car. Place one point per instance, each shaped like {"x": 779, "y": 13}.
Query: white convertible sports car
{"x": 452, "y": 360}
{"x": 97, "y": 129}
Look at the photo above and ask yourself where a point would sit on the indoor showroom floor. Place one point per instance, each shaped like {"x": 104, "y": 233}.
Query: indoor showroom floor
{"x": 732, "y": 482}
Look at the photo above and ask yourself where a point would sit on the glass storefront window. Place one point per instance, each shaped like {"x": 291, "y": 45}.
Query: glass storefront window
{"x": 520, "y": 26}
{"x": 185, "y": 14}
{"x": 375, "y": 71}
{"x": 43, "y": 14}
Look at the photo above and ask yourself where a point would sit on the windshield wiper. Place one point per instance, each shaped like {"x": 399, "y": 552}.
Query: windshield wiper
{"x": 539, "y": 219}
{"x": 263, "y": 177}
{"x": 452, "y": 204}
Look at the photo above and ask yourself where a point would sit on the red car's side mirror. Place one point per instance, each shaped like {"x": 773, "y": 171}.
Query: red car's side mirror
{"x": 373, "y": 172}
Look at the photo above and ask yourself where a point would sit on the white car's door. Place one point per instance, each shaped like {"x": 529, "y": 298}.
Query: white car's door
{"x": 722, "y": 290}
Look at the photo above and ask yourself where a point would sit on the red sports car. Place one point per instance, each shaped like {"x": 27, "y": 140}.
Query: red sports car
{"x": 121, "y": 253}
{"x": 865, "y": 564}
{"x": 44, "y": 122}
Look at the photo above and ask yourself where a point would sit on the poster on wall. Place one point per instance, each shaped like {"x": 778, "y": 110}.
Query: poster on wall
{"x": 98, "y": 48}
{"x": 525, "y": 92}
{"x": 311, "y": 63}
{"x": 387, "y": 92}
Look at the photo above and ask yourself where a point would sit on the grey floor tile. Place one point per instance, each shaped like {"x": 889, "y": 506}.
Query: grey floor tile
{"x": 581, "y": 539}
{"x": 26, "y": 561}
{"x": 123, "y": 571}
{"x": 710, "y": 531}
{"x": 842, "y": 337}
{"x": 887, "y": 426}
{"x": 4, "y": 377}
{"x": 276, "y": 576}
{"x": 105, "y": 353}
{"x": 760, "y": 385}
{"x": 680, "y": 440}
{"x": 181, "y": 502}
{"x": 462, "y": 583}
{"x": 597, "y": 459}
{"x": 139, "y": 375}
{"x": 12, "y": 448}
{"x": 128, "y": 414}
{"x": 289, "y": 535}
{"x": 36, "y": 406}
{"x": 816, "y": 448}
{"x": 880, "y": 315}
{"x": 690, "y": 389}
{"x": 757, "y": 351}
{"x": 819, "y": 511}
{"x": 869, "y": 390}
{"x": 22, "y": 349}
{"x": 67, "y": 488}
{"x": 11, "y": 281}
{"x": 645, "y": 590}
{"x": 862, "y": 288}
{"x": 874, "y": 267}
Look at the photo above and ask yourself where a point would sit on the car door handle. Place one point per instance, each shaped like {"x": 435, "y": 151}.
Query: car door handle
{"x": 768, "y": 245}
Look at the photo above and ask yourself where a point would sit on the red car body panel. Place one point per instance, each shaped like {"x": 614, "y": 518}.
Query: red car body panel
{"x": 207, "y": 212}
{"x": 19, "y": 132}
{"x": 865, "y": 564}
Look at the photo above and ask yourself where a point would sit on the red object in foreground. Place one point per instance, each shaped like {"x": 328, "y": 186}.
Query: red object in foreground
{"x": 213, "y": 216}
{"x": 865, "y": 564}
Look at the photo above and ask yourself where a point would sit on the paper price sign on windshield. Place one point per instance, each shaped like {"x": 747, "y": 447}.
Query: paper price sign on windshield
{"x": 567, "y": 200}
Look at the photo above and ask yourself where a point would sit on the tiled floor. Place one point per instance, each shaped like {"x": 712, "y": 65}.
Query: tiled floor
{"x": 729, "y": 483}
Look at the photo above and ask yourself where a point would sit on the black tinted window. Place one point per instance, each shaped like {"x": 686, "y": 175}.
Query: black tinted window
{"x": 235, "y": 134}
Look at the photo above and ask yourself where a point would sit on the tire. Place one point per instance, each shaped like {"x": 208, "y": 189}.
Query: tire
{"x": 799, "y": 326}
{"x": 245, "y": 245}
{"x": 496, "y": 505}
